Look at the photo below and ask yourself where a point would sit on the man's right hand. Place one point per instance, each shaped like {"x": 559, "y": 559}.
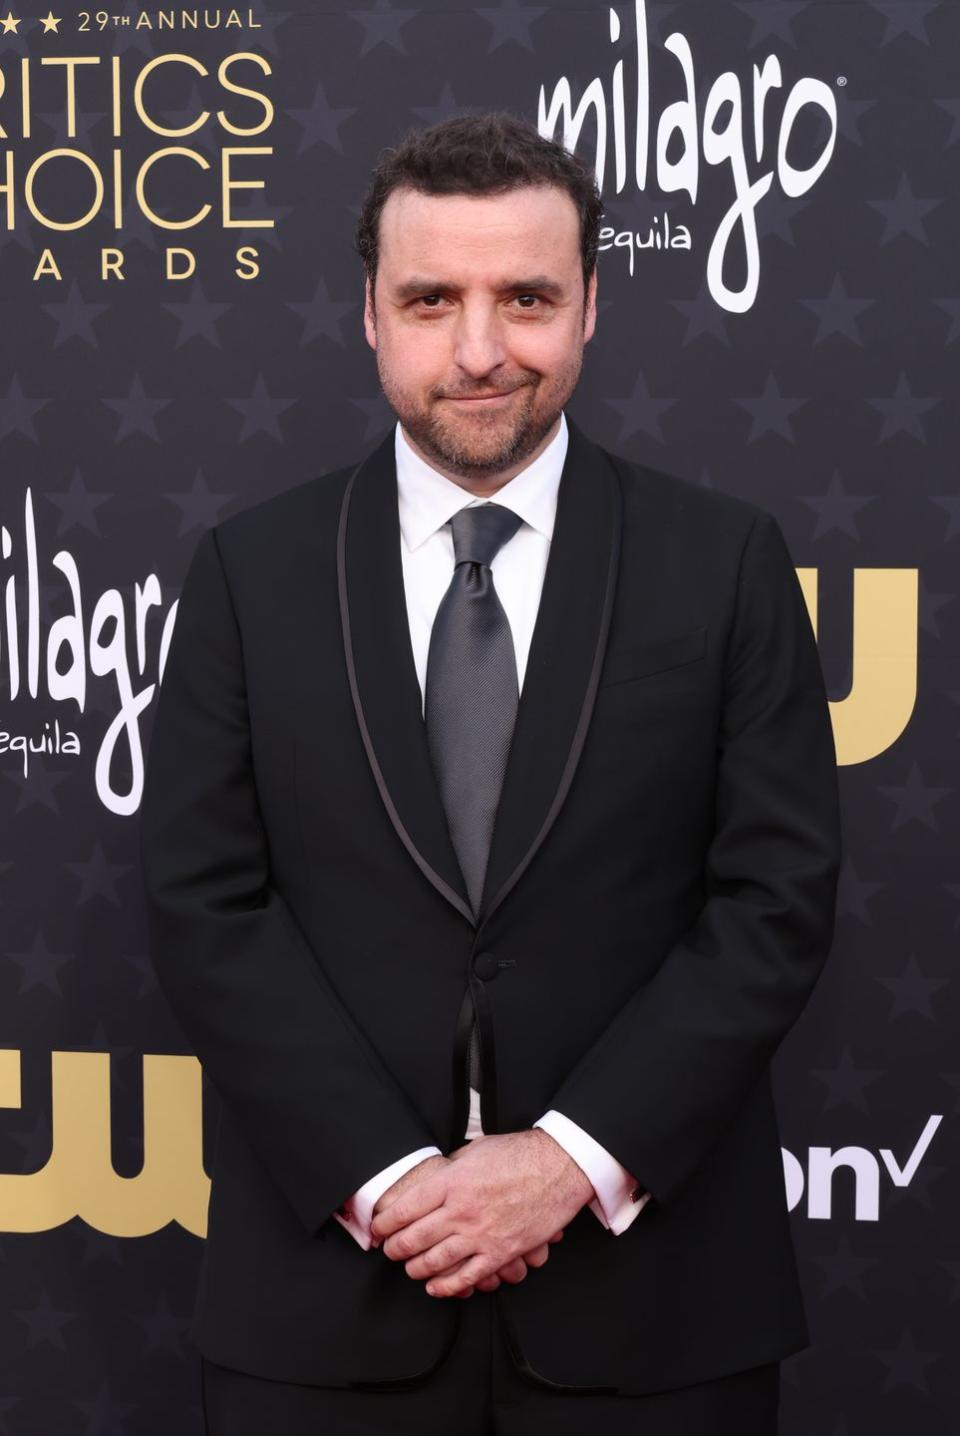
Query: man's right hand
{"x": 513, "y": 1272}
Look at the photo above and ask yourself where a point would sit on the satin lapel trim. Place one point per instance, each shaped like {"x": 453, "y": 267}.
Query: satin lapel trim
{"x": 563, "y": 668}
{"x": 382, "y": 673}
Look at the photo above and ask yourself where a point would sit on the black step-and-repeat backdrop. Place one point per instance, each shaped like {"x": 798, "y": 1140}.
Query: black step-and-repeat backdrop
{"x": 181, "y": 336}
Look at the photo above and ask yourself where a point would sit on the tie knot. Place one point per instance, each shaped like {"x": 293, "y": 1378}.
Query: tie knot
{"x": 481, "y": 530}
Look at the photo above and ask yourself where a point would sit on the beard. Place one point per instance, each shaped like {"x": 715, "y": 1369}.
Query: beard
{"x": 479, "y": 446}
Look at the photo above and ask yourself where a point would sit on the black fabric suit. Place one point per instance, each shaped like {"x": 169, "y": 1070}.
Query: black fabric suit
{"x": 659, "y": 904}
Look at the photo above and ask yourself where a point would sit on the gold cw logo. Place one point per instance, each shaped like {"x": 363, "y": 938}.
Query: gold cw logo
{"x": 884, "y": 687}
{"x": 79, "y": 1179}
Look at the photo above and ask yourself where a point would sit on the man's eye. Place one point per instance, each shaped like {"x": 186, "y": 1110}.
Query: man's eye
{"x": 534, "y": 297}
{"x": 426, "y": 298}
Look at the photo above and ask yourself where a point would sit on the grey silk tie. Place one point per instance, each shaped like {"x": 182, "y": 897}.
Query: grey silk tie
{"x": 471, "y": 696}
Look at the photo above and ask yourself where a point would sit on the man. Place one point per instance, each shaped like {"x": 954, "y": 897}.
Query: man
{"x": 491, "y": 841}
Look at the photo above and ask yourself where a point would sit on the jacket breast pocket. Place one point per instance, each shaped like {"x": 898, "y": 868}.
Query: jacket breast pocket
{"x": 653, "y": 655}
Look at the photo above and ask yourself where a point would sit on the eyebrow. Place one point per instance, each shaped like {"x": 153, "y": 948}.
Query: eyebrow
{"x": 410, "y": 288}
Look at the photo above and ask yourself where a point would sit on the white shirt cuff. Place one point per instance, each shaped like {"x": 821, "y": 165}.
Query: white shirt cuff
{"x": 614, "y": 1205}
{"x": 356, "y": 1213}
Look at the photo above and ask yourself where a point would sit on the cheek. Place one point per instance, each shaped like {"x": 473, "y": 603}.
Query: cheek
{"x": 551, "y": 353}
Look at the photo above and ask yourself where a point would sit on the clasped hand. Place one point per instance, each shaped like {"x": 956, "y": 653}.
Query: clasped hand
{"x": 484, "y": 1213}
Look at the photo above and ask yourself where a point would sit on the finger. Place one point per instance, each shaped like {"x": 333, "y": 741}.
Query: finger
{"x": 557, "y": 1236}
{"x": 538, "y": 1255}
{"x": 488, "y": 1283}
{"x": 469, "y": 1274}
{"x": 513, "y": 1271}
{"x": 418, "y": 1201}
{"x": 440, "y": 1259}
{"x": 418, "y": 1237}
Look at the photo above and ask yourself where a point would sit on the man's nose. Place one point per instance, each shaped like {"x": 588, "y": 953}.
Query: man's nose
{"x": 479, "y": 344}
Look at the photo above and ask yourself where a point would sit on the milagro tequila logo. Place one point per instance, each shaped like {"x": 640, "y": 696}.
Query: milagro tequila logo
{"x": 721, "y": 138}
{"x": 56, "y": 662}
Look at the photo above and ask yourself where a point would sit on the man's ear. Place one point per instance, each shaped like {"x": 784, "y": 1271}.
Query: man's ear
{"x": 590, "y": 312}
{"x": 369, "y": 316}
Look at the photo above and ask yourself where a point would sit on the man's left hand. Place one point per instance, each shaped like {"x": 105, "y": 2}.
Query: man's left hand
{"x": 506, "y": 1195}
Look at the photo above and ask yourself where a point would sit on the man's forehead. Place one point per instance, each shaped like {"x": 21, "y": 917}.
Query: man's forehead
{"x": 536, "y": 226}
{"x": 524, "y": 205}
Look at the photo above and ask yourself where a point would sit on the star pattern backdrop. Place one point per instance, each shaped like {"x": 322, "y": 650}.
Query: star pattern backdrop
{"x": 156, "y": 379}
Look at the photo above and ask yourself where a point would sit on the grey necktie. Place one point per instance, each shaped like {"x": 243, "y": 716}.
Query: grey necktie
{"x": 471, "y": 696}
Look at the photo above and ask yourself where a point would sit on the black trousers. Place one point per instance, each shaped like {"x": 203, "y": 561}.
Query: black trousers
{"x": 477, "y": 1391}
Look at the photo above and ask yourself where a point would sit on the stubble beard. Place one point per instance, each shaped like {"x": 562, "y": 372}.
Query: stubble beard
{"x": 492, "y": 447}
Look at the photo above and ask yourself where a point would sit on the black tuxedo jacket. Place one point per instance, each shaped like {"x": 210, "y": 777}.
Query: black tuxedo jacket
{"x": 659, "y": 904}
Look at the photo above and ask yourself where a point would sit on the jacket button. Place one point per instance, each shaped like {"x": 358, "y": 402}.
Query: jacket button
{"x": 485, "y": 966}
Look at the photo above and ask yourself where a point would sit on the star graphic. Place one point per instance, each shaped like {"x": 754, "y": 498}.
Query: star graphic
{"x": 951, "y": 308}
{"x": 845, "y": 1083}
{"x": 837, "y": 313}
{"x": 98, "y": 878}
{"x": 142, "y": 963}
{"x": 771, "y": 411}
{"x": 198, "y": 316}
{"x": 853, "y": 893}
{"x": 74, "y": 317}
{"x": 640, "y": 412}
{"x": 772, "y": 17}
{"x": 136, "y": 412}
{"x": 36, "y": 1144}
{"x": 777, "y": 215}
{"x": 843, "y": 1270}
{"x": 162, "y": 1330}
{"x": 38, "y": 786}
{"x": 951, "y": 107}
{"x": 321, "y": 121}
{"x": 930, "y": 604}
{"x": 912, "y": 991}
{"x": 40, "y": 966}
{"x": 107, "y": 1417}
{"x": 97, "y": 1246}
{"x": 905, "y": 1365}
{"x": 915, "y": 800}
{"x": 322, "y": 315}
{"x": 904, "y": 213}
{"x": 703, "y": 316}
{"x": 199, "y": 506}
{"x": 260, "y": 412}
{"x": 445, "y": 108}
{"x": 45, "y": 1323}
{"x": 78, "y": 505}
{"x": 905, "y": 17}
{"x": 382, "y": 26}
{"x": 9, "y": 24}
{"x": 950, "y": 503}
{"x": 849, "y": 113}
{"x": 17, "y": 411}
{"x": 510, "y": 21}
{"x": 901, "y": 411}
{"x": 836, "y": 510}
{"x": 379, "y": 416}
{"x": 50, "y": 22}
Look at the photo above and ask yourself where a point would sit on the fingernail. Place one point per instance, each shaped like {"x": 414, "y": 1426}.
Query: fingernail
{"x": 431, "y": 1291}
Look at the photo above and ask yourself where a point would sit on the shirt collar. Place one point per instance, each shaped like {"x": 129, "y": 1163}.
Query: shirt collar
{"x": 427, "y": 499}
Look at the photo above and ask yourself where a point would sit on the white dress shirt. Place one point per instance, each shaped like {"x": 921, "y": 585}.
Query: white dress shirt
{"x": 427, "y": 501}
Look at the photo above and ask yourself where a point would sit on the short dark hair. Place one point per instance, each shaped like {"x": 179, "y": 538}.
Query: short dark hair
{"x": 488, "y": 153}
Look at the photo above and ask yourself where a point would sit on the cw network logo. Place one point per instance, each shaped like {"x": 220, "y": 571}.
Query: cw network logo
{"x": 824, "y": 1164}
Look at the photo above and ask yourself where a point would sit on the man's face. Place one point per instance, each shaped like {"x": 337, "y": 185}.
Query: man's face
{"x": 476, "y": 296}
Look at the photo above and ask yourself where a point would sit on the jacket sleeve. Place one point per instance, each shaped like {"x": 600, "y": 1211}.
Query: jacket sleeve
{"x": 313, "y": 1097}
{"x": 664, "y": 1079}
